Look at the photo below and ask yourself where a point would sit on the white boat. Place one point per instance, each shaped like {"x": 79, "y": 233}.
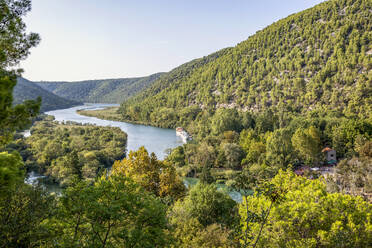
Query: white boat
{"x": 183, "y": 134}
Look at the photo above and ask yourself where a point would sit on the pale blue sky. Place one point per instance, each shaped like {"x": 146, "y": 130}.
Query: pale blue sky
{"x": 95, "y": 39}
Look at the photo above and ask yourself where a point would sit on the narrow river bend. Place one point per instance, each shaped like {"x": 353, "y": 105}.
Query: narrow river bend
{"x": 154, "y": 139}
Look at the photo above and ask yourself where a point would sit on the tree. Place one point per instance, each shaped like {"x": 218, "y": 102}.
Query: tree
{"x": 279, "y": 149}
{"x": 154, "y": 175}
{"x": 14, "y": 46}
{"x": 189, "y": 233}
{"x": 205, "y": 155}
{"x": 307, "y": 215}
{"x": 225, "y": 120}
{"x": 307, "y": 143}
{"x": 206, "y": 175}
{"x": 25, "y": 212}
{"x": 233, "y": 154}
{"x": 208, "y": 205}
{"x": 114, "y": 212}
{"x": 177, "y": 157}
{"x": 204, "y": 218}
{"x": 10, "y": 170}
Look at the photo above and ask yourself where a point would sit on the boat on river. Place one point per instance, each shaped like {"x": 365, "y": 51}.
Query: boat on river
{"x": 183, "y": 134}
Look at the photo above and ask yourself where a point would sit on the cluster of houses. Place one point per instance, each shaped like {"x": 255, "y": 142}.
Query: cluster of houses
{"x": 325, "y": 169}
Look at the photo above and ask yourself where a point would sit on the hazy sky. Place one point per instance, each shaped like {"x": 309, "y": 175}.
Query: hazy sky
{"x": 96, "y": 39}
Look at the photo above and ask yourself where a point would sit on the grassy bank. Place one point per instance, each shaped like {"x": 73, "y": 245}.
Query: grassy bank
{"x": 109, "y": 113}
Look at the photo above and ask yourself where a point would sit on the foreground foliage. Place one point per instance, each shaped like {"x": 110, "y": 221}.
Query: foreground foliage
{"x": 308, "y": 216}
{"x": 114, "y": 212}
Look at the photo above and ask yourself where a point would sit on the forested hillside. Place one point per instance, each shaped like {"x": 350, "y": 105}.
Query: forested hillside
{"x": 100, "y": 91}
{"x": 318, "y": 61}
{"x": 304, "y": 86}
{"x": 27, "y": 90}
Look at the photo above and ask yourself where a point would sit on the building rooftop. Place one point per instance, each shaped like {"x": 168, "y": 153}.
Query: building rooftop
{"x": 327, "y": 149}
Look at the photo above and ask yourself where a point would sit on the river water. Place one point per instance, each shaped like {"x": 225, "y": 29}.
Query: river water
{"x": 154, "y": 139}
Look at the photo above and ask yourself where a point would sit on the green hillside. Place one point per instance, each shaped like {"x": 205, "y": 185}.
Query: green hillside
{"x": 27, "y": 90}
{"x": 315, "y": 61}
{"x": 100, "y": 91}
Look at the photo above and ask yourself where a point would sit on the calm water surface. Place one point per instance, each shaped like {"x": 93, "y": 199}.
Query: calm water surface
{"x": 154, "y": 139}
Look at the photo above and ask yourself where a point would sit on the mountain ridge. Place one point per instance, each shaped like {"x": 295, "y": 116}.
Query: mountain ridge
{"x": 100, "y": 90}
{"x": 28, "y": 90}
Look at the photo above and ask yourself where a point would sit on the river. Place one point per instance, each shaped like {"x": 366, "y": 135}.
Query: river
{"x": 154, "y": 139}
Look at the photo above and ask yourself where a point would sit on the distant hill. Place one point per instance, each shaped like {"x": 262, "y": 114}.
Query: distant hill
{"x": 318, "y": 60}
{"x": 100, "y": 91}
{"x": 27, "y": 90}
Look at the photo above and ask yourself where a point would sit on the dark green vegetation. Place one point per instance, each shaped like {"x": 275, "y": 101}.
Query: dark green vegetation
{"x": 14, "y": 46}
{"x": 143, "y": 202}
{"x": 100, "y": 91}
{"x": 27, "y": 90}
{"x": 262, "y": 147}
{"x": 71, "y": 151}
{"x": 316, "y": 61}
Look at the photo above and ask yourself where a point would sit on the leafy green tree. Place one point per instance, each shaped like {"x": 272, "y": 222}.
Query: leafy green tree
{"x": 279, "y": 149}
{"x": 114, "y": 212}
{"x": 307, "y": 216}
{"x": 204, "y": 218}
{"x": 66, "y": 152}
{"x": 189, "y": 233}
{"x": 233, "y": 154}
{"x": 245, "y": 183}
{"x": 154, "y": 175}
{"x": 205, "y": 155}
{"x": 10, "y": 170}
{"x": 14, "y": 46}
{"x": 225, "y": 120}
{"x": 25, "y": 212}
{"x": 206, "y": 175}
{"x": 307, "y": 143}
{"x": 208, "y": 205}
{"x": 177, "y": 157}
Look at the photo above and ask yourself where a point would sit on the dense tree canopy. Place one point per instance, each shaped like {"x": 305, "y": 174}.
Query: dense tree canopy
{"x": 114, "y": 212}
{"x": 308, "y": 216}
{"x": 72, "y": 151}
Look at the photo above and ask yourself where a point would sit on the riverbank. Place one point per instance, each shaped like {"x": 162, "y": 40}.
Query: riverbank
{"x": 157, "y": 140}
{"x": 109, "y": 113}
